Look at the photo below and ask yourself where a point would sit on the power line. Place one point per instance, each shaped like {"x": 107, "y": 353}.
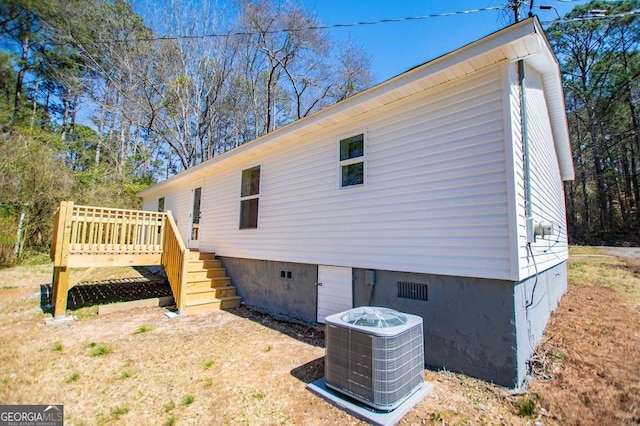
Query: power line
{"x": 591, "y": 18}
{"x": 605, "y": 1}
{"x": 315, "y": 27}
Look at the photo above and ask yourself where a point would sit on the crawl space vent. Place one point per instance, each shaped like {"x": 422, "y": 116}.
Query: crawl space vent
{"x": 374, "y": 355}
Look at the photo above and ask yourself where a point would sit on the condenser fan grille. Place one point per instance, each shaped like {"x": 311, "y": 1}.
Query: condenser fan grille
{"x": 380, "y": 369}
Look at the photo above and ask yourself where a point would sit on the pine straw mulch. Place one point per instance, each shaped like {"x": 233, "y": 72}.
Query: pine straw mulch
{"x": 588, "y": 364}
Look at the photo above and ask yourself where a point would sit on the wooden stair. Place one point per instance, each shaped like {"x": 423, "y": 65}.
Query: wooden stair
{"x": 208, "y": 286}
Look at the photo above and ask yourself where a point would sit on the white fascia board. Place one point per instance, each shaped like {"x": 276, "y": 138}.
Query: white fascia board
{"x": 547, "y": 64}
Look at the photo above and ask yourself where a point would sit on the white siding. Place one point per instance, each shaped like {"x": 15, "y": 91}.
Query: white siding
{"x": 179, "y": 200}
{"x": 547, "y": 191}
{"x": 434, "y": 199}
{"x": 150, "y": 204}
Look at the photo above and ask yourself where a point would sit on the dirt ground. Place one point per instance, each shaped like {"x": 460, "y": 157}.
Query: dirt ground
{"x": 139, "y": 367}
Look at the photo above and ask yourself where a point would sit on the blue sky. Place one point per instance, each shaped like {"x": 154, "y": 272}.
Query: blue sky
{"x": 394, "y": 47}
{"x": 398, "y": 46}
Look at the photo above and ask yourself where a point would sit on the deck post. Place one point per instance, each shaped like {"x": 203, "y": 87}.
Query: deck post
{"x": 184, "y": 271}
{"x": 60, "y": 248}
{"x": 61, "y": 234}
{"x": 60, "y": 290}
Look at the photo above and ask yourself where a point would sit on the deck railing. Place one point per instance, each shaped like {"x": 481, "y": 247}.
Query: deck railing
{"x": 87, "y": 229}
{"x": 86, "y": 236}
{"x": 175, "y": 261}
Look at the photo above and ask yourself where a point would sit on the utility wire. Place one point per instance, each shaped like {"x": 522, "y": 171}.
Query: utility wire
{"x": 361, "y": 23}
{"x": 315, "y": 27}
{"x": 591, "y": 18}
{"x": 605, "y": 1}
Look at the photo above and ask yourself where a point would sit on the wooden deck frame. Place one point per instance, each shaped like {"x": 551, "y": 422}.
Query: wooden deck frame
{"x": 88, "y": 236}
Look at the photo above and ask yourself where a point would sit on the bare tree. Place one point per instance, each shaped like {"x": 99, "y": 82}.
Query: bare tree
{"x": 295, "y": 60}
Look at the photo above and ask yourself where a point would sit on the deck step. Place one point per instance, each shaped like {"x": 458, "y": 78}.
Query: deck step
{"x": 201, "y": 255}
{"x": 208, "y": 282}
{"x": 208, "y": 287}
{"x": 206, "y": 273}
{"x": 221, "y": 303}
{"x": 196, "y": 264}
{"x": 210, "y": 294}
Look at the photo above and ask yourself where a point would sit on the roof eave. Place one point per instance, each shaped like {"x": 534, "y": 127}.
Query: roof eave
{"x": 518, "y": 36}
{"x": 547, "y": 64}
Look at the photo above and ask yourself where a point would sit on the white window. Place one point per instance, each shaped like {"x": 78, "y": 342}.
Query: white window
{"x": 249, "y": 198}
{"x": 352, "y": 161}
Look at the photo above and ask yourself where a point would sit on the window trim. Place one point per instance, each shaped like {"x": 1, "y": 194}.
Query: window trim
{"x": 250, "y": 197}
{"x": 355, "y": 160}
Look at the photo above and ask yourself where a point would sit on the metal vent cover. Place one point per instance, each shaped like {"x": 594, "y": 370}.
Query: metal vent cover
{"x": 375, "y": 355}
{"x": 415, "y": 291}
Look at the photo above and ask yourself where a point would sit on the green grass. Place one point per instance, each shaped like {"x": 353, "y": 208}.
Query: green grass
{"x": 88, "y": 312}
{"x": 557, "y": 355}
{"x": 208, "y": 363}
{"x": 590, "y": 266}
{"x": 170, "y": 421}
{"x": 57, "y": 347}
{"x": 8, "y": 287}
{"x": 98, "y": 350}
{"x": 188, "y": 400}
{"x": 73, "y": 377}
{"x": 527, "y": 407}
{"x": 125, "y": 375}
{"x": 118, "y": 412}
{"x": 142, "y": 329}
{"x": 33, "y": 258}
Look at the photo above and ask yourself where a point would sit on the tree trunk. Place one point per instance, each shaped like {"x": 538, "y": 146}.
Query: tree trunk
{"x": 624, "y": 210}
{"x": 34, "y": 108}
{"x": 21, "y": 73}
{"x": 65, "y": 114}
{"x": 634, "y": 183}
{"x": 602, "y": 191}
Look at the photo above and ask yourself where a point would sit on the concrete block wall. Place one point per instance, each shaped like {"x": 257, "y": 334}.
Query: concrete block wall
{"x": 480, "y": 327}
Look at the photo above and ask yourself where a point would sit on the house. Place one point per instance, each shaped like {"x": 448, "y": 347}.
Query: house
{"x": 434, "y": 193}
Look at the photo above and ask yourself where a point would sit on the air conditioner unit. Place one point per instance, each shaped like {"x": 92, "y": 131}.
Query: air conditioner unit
{"x": 374, "y": 355}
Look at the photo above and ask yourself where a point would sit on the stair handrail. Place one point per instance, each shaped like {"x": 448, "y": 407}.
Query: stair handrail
{"x": 175, "y": 260}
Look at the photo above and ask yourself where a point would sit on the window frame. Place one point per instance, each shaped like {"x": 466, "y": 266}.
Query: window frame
{"x": 248, "y": 198}
{"x": 353, "y": 160}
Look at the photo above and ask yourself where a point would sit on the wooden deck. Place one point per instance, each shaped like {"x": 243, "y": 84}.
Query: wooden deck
{"x": 88, "y": 236}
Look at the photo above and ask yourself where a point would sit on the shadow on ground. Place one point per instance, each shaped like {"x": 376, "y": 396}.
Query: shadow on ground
{"x": 309, "y": 372}
{"x": 86, "y": 294}
{"x": 305, "y": 333}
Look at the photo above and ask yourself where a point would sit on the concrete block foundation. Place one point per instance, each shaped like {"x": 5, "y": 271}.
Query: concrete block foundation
{"x": 479, "y": 327}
